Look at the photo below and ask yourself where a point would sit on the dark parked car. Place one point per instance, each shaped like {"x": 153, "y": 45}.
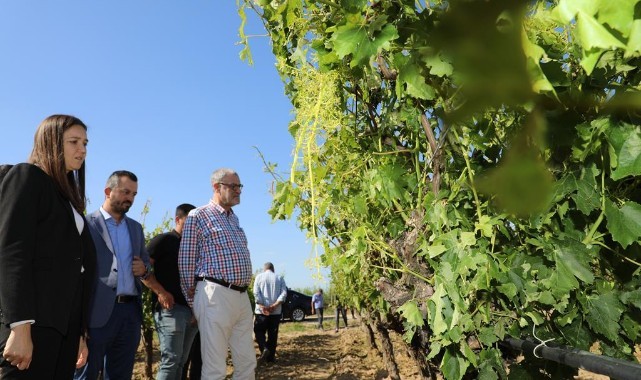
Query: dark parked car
{"x": 297, "y": 305}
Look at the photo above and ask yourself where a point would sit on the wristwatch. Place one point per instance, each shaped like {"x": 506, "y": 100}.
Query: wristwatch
{"x": 148, "y": 271}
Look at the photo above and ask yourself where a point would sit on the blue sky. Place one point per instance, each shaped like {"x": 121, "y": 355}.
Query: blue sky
{"x": 164, "y": 94}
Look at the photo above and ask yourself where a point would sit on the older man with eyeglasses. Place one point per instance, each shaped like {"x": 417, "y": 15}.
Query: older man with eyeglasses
{"x": 215, "y": 270}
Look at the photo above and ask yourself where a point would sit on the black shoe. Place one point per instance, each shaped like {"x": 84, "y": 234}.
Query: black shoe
{"x": 264, "y": 356}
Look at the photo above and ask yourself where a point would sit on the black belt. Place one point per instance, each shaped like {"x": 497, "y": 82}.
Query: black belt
{"x": 126, "y": 299}
{"x": 223, "y": 283}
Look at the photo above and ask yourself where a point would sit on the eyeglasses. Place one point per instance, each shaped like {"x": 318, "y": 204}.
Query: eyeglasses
{"x": 233, "y": 186}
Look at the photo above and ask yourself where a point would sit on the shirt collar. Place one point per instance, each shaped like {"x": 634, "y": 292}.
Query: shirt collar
{"x": 106, "y": 215}
{"x": 220, "y": 208}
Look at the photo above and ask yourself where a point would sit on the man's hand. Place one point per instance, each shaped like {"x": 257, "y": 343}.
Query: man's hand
{"x": 191, "y": 292}
{"x": 83, "y": 353}
{"x": 166, "y": 300}
{"x": 138, "y": 267}
{"x": 19, "y": 347}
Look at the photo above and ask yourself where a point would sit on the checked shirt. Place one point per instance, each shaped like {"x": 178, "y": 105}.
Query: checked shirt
{"x": 213, "y": 245}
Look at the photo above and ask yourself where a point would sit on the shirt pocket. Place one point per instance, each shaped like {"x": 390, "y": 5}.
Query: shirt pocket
{"x": 214, "y": 236}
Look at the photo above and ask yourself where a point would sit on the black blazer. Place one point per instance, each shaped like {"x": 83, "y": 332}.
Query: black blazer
{"x": 41, "y": 252}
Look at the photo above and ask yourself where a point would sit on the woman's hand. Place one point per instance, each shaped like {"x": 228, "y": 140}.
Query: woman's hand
{"x": 83, "y": 353}
{"x": 19, "y": 349}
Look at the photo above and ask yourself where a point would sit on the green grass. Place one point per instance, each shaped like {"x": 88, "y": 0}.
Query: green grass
{"x": 296, "y": 326}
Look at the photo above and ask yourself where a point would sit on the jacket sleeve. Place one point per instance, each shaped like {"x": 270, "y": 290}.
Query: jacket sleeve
{"x": 20, "y": 198}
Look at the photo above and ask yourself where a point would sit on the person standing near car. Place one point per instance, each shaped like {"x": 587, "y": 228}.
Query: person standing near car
{"x": 340, "y": 310}
{"x": 318, "y": 306}
{"x": 270, "y": 292}
{"x": 176, "y": 327}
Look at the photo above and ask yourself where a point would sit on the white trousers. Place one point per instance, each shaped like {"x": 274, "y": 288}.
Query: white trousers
{"x": 225, "y": 320}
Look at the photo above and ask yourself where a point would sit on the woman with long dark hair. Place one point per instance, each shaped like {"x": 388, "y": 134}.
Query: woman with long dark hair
{"x": 47, "y": 257}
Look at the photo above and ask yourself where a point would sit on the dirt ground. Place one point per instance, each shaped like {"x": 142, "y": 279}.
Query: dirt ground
{"x": 307, "y": 353}
{"x": 325, "y": 354}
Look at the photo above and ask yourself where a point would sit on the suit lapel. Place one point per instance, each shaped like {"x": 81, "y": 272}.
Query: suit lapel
{"x": 67, "y": 206}
{"x": 101, "y": 228}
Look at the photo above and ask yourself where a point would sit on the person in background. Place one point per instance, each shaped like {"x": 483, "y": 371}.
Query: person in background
{"x": 317, "y": 306}
{"x": 215, "y": 269}
{"x": 47, "y": 256}
{"x": 193, "y": 366}
{"x": 176, "y": 327}
{"x": 270, "y": 291}
{"x": 123, "y": 263}
{"x": 340, "y": 309}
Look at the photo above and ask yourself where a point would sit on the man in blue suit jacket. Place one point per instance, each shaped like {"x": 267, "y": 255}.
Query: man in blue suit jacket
{"x": 115, "y": 316}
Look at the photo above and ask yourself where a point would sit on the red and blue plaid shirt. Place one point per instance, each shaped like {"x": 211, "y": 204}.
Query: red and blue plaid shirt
{"x": 213, "y": 245}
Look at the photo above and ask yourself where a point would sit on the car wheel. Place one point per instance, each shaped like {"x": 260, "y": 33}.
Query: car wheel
{"x": 298, "y": 314}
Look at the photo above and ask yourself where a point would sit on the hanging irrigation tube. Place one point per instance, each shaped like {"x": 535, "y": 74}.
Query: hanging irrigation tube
{"x": 604, "y": 365}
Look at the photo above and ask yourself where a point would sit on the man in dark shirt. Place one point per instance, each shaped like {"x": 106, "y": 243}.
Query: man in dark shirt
{"x": 176, "y": 327}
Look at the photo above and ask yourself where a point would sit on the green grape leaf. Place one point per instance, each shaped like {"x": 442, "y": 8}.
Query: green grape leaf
{"x": 487, "y": 373}
{"x": 587, "y": 197}
{"x": 468, "y": 353}
{"x": 589, "y": 59}
{"x": 453, "y": 364}
{"x": 561, "y": 281}
{"x": 631, "y": 327}
{"x": 508, "y": 289}
{"x": 578, "y": 334}
{"x": 355, "y": 41}
{"x": 575, "y": 258}
{"x": 484, "y": 225}
{"x": 487, "y": 336}
{"x": 491, "y": 365}
{"x": 438, "y": 66}
{"x": 634, "y": 42}
{"x": 625, "y": 223}
{"x": 410, "y": 311}
{"x": 435, "y": 250}
{"x": 566, "y": 10}
{"x": 625, "y": 141}
{"x": 468, "y": 239}
{"x": 632, "y": 298}
{"x": 435, "y": 349}
{"x": 438, "y": 324}
{"x": 359, "y": 204}
{"x": 594, "y": 35}
{"x": 534, "y": 52}
{"x": 603, "y": 314}
{"x": 618, "y": 15}
{"x": 353, "y": 5}
{"x": 410, "y": 75}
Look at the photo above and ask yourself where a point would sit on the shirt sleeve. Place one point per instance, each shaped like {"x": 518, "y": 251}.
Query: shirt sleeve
{"x": 258, "y": 294}
{"x": 283, "y": 291}
{"x": 153, "y": 247}
{"x": 15, "y": 324}
{"x": 187, "y": 255}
